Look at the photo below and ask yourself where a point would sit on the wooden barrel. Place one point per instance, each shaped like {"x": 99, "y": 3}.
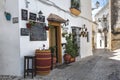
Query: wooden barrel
{"x": 43, "y": 62}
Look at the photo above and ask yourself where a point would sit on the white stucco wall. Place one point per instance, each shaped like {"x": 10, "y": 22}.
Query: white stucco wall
{"x": 14, "y": 47}
{"x": 100, "y": 41}
{"x": 9, "y": 39}
{"x": 99, "y": 15}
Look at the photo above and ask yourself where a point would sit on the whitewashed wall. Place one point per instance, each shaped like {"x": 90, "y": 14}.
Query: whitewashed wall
{"x": 14, "y": 47}
{"x": 9, "y": 39}
{"x": 103, "y": 11}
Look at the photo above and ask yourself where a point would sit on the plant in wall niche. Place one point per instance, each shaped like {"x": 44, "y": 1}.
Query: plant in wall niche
{"x": 30, "y": 24}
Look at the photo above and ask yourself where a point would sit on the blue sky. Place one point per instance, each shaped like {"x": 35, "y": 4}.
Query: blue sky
{"x": 102, "y": 2}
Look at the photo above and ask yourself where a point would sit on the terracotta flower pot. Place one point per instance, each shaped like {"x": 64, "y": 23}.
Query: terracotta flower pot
{"x": 47, "y": 28}
{"x": 67, "y": 58}
{"x": 28, "y": 25}
{"x": 72, "y": 60}
{"x": 54, "y": 60}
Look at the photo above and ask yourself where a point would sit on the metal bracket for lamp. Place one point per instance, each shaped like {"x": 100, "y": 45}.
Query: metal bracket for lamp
{"x": 27, "y": 2}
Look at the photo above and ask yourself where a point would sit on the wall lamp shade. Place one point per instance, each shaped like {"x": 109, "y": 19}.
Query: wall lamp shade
{"x": 97, "y": 4}
{"x": 40, "y": 13}
{"x": 8, "y": 16}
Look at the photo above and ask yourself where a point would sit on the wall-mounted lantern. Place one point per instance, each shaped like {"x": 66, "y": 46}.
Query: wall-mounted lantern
{"x": 97, "y": 5}
{"x": 67, "y": 22}
{"x": 41, "y": 18}
{"x": 83, "y": 31}
{"x": 7, "y": 16}
{"x": 40, "y": 14}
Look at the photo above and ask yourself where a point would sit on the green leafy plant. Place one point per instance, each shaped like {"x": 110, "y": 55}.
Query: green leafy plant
{"x": 71, "y": 47}
{"x": 32, "y": 23}
{"x": 52, "y": 48}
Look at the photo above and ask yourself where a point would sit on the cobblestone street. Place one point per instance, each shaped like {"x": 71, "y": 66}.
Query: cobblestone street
{"x": 104, "y": 65}
{"x": 97, "y": 67}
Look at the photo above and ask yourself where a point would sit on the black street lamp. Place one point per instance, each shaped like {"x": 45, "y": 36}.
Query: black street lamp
{"x": 97, "y": 4}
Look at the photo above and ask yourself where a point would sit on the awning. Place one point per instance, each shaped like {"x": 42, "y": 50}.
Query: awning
{"x": 55, "y": 18}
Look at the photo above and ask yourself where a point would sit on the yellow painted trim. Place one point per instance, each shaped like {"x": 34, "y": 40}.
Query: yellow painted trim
{"x": 75, "y": 11}
{"x": 39, "y": 53}
{"x": 47, "y": 51}
{"x": 58, "y": 25}
{"x": 43, "y": 67}
{"x": 59, "y": 45}
{"x": 43, "y": 58}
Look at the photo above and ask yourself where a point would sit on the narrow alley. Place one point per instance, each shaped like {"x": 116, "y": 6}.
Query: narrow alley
{"x": 103, "y": 65}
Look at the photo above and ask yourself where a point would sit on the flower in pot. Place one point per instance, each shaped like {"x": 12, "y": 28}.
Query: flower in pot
{"x": 46, "y": 27}
{"x": 30, "y": 24}
{"x": 71, "y": 49}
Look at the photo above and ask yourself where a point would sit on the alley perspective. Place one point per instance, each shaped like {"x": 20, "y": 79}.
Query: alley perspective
{"x": 103, "y": 65}
{"x": 59, "y": 40}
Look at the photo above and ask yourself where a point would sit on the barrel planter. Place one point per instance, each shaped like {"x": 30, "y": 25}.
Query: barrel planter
{"x": 43, "y": 62}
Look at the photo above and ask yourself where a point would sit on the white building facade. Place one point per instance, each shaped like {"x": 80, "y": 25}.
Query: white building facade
{"x": 14, "y": 46}
{"x": 102, "y": 19}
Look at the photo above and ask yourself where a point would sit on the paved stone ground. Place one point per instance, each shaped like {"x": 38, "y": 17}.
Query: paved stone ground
{"x": 103, "y": 65}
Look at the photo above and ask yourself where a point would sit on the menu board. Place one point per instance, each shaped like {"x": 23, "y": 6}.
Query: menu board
{"x": 32, "y": 16}
{"x": 24, "y": 14}
{"x": 38, "y": 32}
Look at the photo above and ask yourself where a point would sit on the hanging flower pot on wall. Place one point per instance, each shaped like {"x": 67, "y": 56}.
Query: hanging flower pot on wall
{"x": 7, "y": 16}
{"x": 46, "y": 27}
{"x": 28, "y": 25}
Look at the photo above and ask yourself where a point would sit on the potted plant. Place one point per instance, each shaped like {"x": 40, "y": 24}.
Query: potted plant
{"x": 30, "y": 24}
{"x": 71, "y": 49}
{"x": 53, "y": 54}
{"x": 46, "y": 27}
{"x": 75, "y": 7}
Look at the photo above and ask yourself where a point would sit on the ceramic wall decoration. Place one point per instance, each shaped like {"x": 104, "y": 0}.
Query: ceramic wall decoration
{"x": 7, "y": 16}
